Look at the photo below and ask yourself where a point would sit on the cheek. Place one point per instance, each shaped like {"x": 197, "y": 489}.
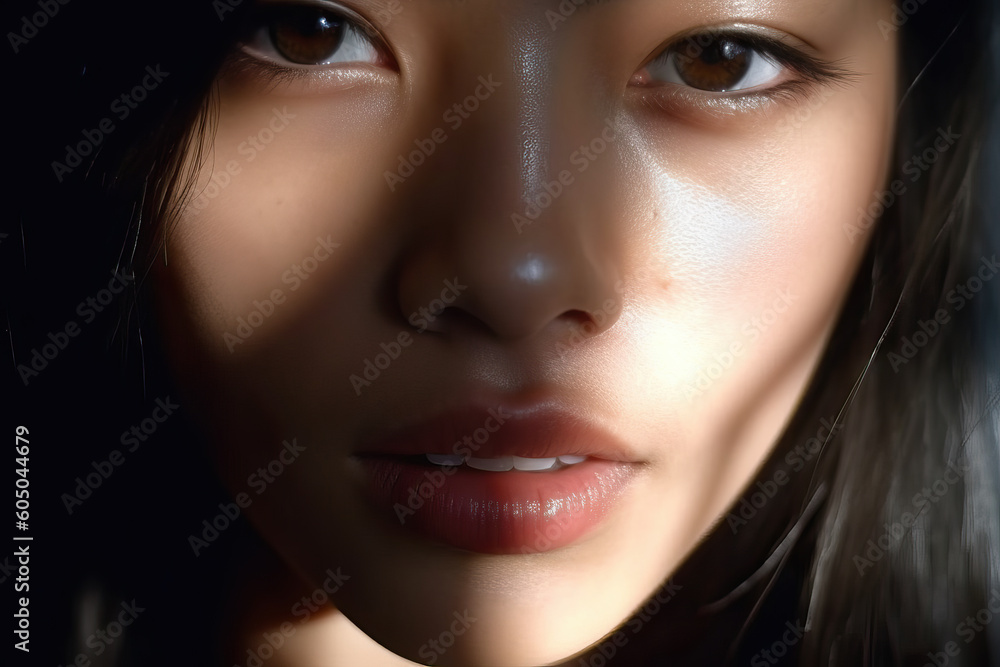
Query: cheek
{"x": 753, "y": 242}
{"x": 283, "y": 191}
{"x": 732, "y": 213}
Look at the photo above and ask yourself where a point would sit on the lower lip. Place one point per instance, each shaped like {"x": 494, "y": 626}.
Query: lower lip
{"x": 498, "y": 512}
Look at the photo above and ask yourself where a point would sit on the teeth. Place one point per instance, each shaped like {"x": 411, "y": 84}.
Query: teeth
{"x": 522, "y": 463}
{"x": 446, "y": 459}
{"x": 504, "y": 463}
{"x": 499, "y": 464}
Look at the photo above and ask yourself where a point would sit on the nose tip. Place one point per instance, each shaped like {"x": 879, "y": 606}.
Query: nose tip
{"x": 512, "y": 294}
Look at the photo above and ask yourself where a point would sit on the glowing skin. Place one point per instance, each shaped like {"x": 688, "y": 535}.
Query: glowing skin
{"x": 706, "y": 220}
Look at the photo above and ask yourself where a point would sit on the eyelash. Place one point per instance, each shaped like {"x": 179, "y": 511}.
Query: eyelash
{"x": 813, "y": 72}
{"x": 242, "y": 64}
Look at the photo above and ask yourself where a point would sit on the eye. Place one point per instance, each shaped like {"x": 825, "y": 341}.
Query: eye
{"x": 715, "y": 63}
{"x": 305, "y": 35}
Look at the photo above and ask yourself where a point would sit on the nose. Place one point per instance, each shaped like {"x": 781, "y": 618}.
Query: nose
{"x": 516, "y": 209}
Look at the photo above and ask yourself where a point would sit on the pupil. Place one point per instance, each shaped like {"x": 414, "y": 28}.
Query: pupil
{"x": 730, "y": 50}
{"x": 716, "y": 67}
{"x": 307, "y": 36}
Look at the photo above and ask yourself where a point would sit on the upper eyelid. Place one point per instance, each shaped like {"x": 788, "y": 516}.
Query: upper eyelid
{"x": 753, "y": 32}
{"x": 261, "y": 7}
{"x": 771, "y": 44}
{"x": 763, "y": 40}
{"x": 363, "y": 25}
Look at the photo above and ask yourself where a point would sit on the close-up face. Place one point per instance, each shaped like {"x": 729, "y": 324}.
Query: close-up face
{"x": 501, "y": 233}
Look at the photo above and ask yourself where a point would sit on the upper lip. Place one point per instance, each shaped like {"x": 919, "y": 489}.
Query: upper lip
{"x": 540, "y": 431}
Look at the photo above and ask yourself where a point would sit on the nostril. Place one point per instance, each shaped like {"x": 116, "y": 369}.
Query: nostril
{"x": 445, "y": 300}
{"x": 582, "y": 325}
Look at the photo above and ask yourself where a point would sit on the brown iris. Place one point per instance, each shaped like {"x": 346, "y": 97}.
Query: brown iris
{"x": 307, "y": 35}
{"x": 716, "y": 65}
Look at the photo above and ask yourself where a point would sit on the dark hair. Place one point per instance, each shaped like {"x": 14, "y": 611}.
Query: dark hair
{"x": 909, "y": 541}
{"x": 904, "y": 399}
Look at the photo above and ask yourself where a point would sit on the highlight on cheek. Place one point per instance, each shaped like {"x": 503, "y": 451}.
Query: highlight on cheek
{"x": 712, "y": 240}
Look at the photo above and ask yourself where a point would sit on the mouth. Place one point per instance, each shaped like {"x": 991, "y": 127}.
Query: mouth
{"x": 498, "y": 481}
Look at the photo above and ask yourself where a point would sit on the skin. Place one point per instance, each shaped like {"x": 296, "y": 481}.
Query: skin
{"x": 695, "y": 220}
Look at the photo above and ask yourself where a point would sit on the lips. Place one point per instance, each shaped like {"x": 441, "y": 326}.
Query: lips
{"x": 497, "y": 480}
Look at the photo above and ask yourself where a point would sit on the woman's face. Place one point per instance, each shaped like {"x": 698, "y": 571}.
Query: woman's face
{"x": 519, "y": 229}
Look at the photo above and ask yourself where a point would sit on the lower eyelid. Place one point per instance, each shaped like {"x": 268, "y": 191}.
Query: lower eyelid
{"x": 683, "y": 100}
{"x": 690, "y": 105}
{"x": 248, "y": 72}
